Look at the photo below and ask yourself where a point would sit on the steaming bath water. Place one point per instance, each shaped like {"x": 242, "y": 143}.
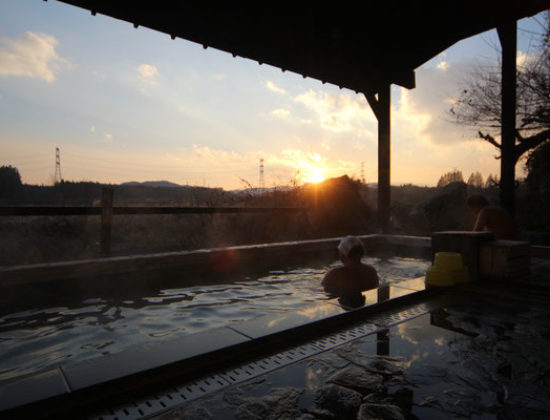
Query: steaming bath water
{"x": 35, "y": 339}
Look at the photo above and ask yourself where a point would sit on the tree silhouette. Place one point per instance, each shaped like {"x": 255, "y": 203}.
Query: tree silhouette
{"x": 491, "y": 181}
{"x": 10, "y": 182}
{"x": 475, "y": 180}
{"x": 479, "y": 104}
{"x": 538, "y": 168}
{"x": 449, "y": 177}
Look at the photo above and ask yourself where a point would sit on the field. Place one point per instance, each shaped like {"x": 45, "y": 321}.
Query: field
{"x": 336, "y": 207}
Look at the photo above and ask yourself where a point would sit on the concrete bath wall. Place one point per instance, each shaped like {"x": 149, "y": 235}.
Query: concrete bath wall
{"x": 210, "y": 262}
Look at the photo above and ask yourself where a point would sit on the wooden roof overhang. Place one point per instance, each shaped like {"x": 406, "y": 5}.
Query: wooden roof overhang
{"x": 361, "y": 46}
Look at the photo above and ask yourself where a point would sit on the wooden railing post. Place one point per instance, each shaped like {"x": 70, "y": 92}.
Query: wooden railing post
{"x": 106, "y": 221}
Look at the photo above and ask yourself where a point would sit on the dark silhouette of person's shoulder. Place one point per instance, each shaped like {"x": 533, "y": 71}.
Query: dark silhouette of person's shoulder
{"x": 334, "y": 276}
{"x": 500, "y": 221}
{"x": 369, "y": 276}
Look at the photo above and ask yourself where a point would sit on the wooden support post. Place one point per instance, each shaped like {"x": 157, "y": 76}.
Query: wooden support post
{"x": 106, "y": 221}
{"x": 383, "y": 293}
{"x": 507, "y": 33}
{"x": 381, "y": 109}
{"x": 384, "y": 155}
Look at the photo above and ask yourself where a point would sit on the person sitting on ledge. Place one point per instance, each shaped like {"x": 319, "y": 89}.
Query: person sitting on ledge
{"x": 491, "y": 218}
{"x": 354, "y": 277}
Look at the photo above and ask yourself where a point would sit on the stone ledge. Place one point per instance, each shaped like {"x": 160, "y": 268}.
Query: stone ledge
{"x": 215, "y": 261}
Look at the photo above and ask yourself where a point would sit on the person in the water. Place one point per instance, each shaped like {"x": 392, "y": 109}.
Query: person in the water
{"x": 353, "y": 277}
{"x": 491, "y": 218}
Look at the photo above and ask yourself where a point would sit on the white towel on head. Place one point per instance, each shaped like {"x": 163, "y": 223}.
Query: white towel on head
{"x": 347, "y": 243}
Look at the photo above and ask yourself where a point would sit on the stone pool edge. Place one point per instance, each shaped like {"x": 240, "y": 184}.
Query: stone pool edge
{"x": 239, "y": 256}
{"x": 73, "y": 385}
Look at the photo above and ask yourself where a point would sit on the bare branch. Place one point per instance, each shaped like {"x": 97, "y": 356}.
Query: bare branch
{"x": 531, "y": 142}
{"x": 490, "y": 139}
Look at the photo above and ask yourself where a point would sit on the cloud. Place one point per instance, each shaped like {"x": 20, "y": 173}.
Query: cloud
{"x": 148, "y": 73}
{"x": 30, "y": 55}
{"x": 443, "y": 65}
{"x": 309, "y": 165}
{"x": 280, "y": 113}
{"x": 109, "y": 137}
{"x": 357, "y": 145}
{"x": 291, "y": 163}
{"x": 425, "y": 144}
{"x": 523, "y": 59}
{"x": 92, "y": 129}
{"x": 411, "y": 120}
{"x": 219, "y": 77}
{"x": 339, "y": 112}
{"x": 424, "y": 111}
{"x": 219, "y": 157}
{"x": 274, "y": 88}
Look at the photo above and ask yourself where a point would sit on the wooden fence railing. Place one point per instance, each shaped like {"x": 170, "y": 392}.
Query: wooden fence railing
{"x": 107, "y": 211}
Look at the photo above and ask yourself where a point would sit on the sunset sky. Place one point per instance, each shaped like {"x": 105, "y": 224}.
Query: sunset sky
{"x": 126, "y": 104}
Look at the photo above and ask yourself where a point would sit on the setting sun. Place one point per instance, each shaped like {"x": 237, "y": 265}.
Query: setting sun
{"x": 315, "y": 175}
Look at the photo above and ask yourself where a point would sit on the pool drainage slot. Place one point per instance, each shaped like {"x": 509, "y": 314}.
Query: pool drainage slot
{"x": 175, "y": 396}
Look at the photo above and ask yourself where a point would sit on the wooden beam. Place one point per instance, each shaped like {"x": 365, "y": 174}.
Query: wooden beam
{"x": 381, "y": 108}
{"x": 507, "y": 32}
{"x": 384, "y": 157}
{"x": 373, "y": 102}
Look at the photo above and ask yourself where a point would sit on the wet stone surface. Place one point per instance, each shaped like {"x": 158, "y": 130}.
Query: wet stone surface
{"x": 371, "y": 411}
{"x": 474, "y": 356}
{"x": 339, "y": 400}
{"x": 355, "y": 378}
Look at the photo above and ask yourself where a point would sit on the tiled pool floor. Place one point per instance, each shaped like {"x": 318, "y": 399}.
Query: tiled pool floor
{"x": 474, "y": 355}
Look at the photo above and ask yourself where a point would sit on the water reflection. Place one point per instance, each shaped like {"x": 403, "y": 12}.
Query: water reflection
{"x": 456, "y": 367}
{"x": 411, "y": 358}
{"x": 440, "y": 318}
{"x": 358, "y": 299}
{"x": 467, "y": 358}
{"x": 81, "y": 324}
{"x": 383, "y": 343}
{"x": 352, "y": 301}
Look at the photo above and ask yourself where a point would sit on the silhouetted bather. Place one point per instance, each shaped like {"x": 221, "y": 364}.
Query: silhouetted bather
{"x": 354, "y": 277}
{"x": 492, "y": 218}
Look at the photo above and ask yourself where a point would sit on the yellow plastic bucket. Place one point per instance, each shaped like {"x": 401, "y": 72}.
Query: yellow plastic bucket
{"x": 448, "y": 261}
{"x": 461, "y": 276}
{"x": 439, "y": 278}
{"x": 447, "y": 270}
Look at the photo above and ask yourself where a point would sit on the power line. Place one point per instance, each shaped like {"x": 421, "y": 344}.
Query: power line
{"x": 36, "y": 167}
{"x": 165, "y": 170}
{"x": 121, "y": 164}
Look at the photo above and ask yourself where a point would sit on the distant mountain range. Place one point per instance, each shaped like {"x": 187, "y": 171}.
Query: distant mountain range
{"x": 152, "y": 184}
{"x": 174, "y": 185}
